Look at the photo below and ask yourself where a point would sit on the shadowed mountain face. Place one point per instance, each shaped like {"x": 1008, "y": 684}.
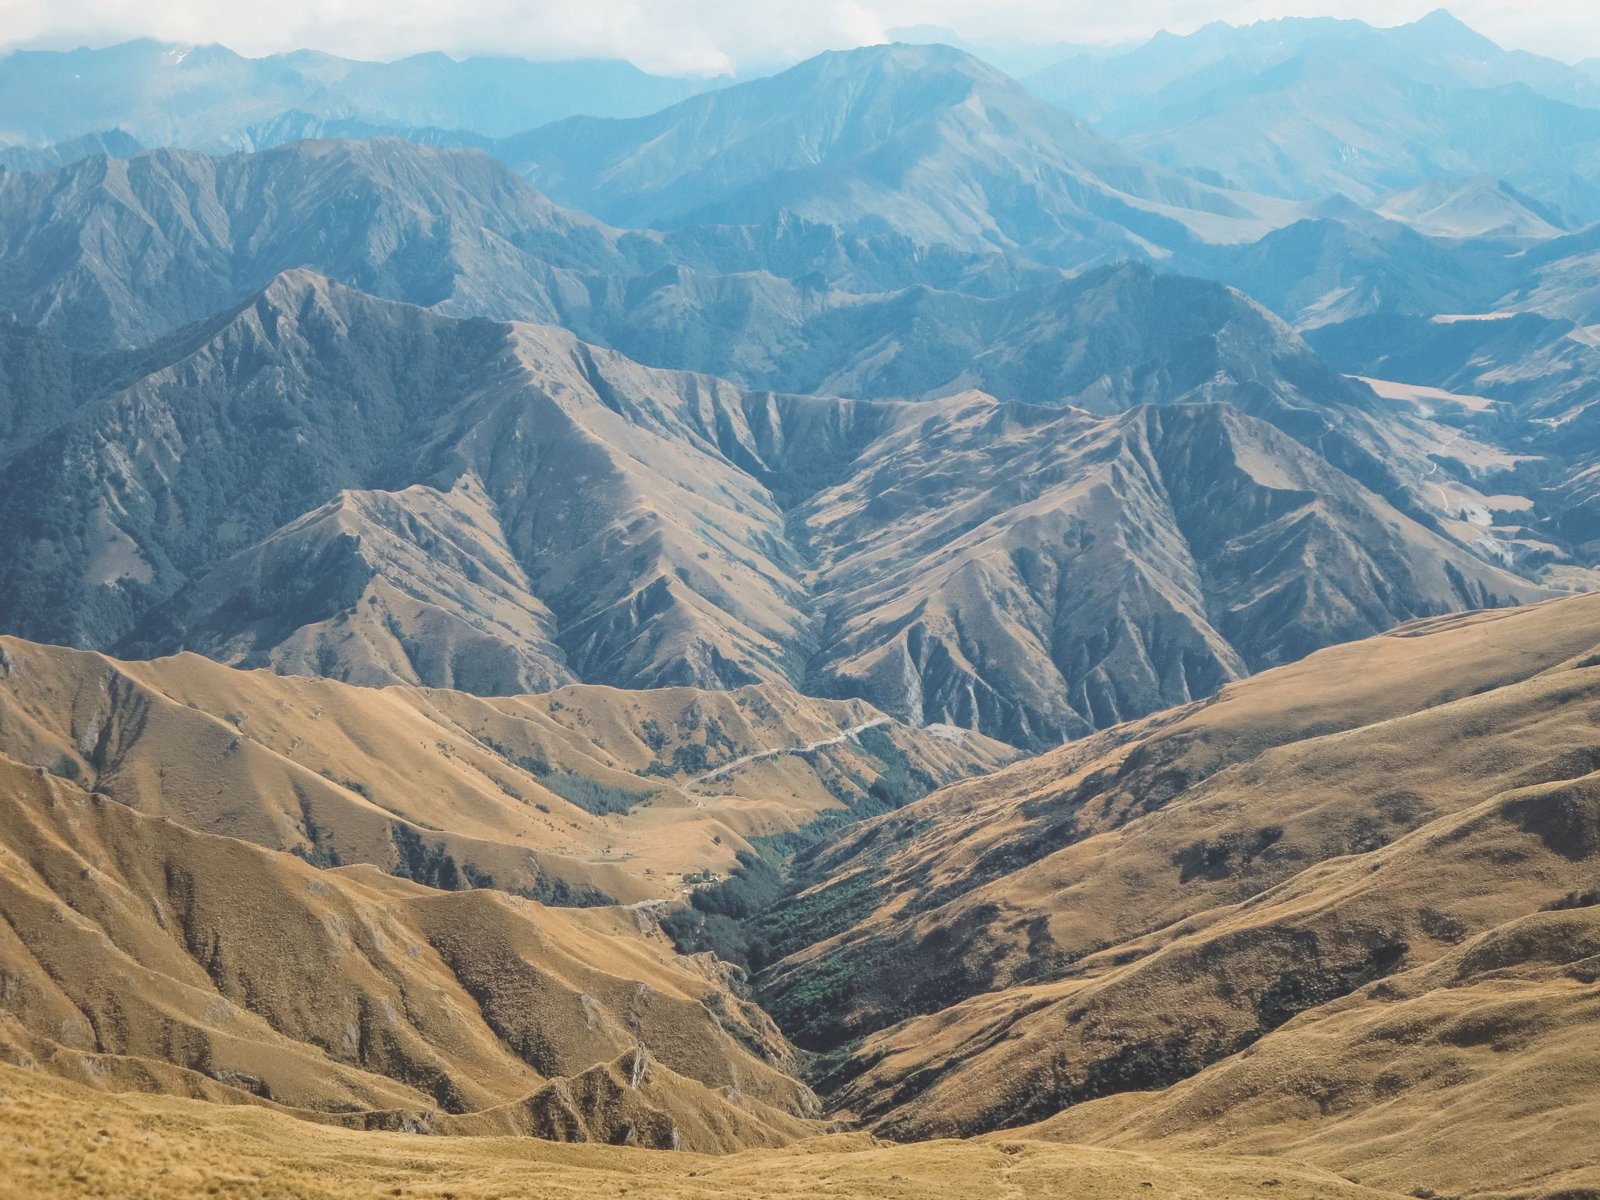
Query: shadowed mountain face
{"x": 124, "y": 250}
{"x": 452, "y": 230}
{"x": 309, "y": 389}
{"x": 547, "y": 511}
{"x": 376, "y": 587}
{"x": 1044, "y": 574}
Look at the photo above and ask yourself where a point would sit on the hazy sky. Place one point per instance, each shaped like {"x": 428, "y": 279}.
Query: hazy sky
{"x": 713, "y": 36}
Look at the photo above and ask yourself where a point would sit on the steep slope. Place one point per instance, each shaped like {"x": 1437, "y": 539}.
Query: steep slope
{"x": 1124, "y": 912}
{"x": 234, "y": 428}
{"x": 1526, "y": 381}
{"x": 143, "y": 955}
{"x": 246, "y": 424}
{"x": 578, "y": 796}
{"x": 1040, "y": 574}
{"x": 923, "y": 140}
{"x": 112, "y": 252}
{"x": 554, "y": 511}
{"x": 437, "y": 226}
{"x": 416, "y": 586}
{"x": 41, "y": 381}
{"x": 1105, "y": 340}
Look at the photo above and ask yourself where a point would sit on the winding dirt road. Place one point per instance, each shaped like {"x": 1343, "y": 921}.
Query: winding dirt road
{"x": 845, "y": 736}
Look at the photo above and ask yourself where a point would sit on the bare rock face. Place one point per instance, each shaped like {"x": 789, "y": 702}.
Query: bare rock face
{"x": 137, "y": 247}
{"x": 516, "y": 509}
{"x": 1048, "y": 573}
{"x": 416, "y": 586}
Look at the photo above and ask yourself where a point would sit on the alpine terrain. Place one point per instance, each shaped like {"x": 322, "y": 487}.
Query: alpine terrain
{"x": 958, "y": 616}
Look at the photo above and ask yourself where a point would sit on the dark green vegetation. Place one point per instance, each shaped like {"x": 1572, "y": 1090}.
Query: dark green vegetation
{"x": 763, "y": 910}
{"x": 591, "y": 795}
{"x": 431, "y": 863}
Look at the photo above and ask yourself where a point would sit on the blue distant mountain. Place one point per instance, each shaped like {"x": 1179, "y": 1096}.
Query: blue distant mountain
{"x": 1308, "y": 108}
{"x": 203, "y": 97}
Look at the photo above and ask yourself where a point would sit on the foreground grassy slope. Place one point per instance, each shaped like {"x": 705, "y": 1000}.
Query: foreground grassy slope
{"x": 60, "y": 1140}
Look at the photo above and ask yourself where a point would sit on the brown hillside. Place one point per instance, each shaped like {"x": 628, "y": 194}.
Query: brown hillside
{"x": 1125, "y": 912}
{"x": 143, "y": 955}
{"x": 1480, "y": 1071}
{"x": 579, "y": 795}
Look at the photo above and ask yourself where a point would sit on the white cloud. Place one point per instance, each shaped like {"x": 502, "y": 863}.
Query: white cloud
{"x": 711, "y": 36}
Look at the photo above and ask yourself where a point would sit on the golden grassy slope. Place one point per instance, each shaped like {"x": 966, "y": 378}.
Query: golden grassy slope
{"x": 1123, "y": 913}
{"x": 1341, "y": 914}
{"x": 1480, "y": 1071}
{"x": 343, "y": 774}
{"x": 135, "y": 953}
{"x": 166, "y": 926}
{"x": 60, "y": 1140}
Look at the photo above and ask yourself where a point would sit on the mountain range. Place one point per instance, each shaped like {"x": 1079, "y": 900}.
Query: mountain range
{"x": 516, "y": 507}
{"x": 890, "y": 629}
{"x": 208, "y": 97}
{"x": 898, "y": 137}
{"x": 1311, "y": 107}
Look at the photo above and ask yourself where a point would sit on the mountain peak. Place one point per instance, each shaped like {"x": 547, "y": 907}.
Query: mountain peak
{"x": 297, "y": 283}
{"x": 913, "y": 63}
{"x": 1451, "y": 31}
{"x": 1442, "y": 18}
